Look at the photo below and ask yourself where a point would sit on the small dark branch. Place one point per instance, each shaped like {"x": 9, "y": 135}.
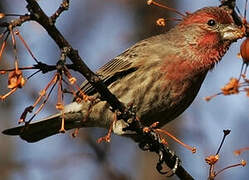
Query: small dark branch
{"x": 44, "y": 67}
{"x": 226, "y": 132}
{"x": 63, "y": 7}
{"x": 16, "y": 22}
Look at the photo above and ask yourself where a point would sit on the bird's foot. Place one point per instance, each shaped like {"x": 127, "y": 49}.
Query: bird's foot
{"x": 153, "y": 142}
{"x": 162, "y": 160}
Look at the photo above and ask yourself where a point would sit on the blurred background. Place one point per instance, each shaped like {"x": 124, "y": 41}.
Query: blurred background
{"x": 100, "y": 30}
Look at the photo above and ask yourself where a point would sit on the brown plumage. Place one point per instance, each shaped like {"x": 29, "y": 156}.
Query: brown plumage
{"x": 160, "y": 75}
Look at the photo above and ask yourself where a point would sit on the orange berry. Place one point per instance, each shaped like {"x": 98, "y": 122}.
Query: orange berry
{"x": 244, "y": 50}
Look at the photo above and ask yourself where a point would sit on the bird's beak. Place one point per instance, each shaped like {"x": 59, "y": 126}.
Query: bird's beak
{"x": 232, "y": 32}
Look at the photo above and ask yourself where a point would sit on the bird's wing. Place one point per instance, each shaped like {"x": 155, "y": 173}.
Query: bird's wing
{"x": 114, "y": 69}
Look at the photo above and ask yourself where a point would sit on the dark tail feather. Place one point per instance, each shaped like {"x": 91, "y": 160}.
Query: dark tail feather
{"x": 40, "y": 130}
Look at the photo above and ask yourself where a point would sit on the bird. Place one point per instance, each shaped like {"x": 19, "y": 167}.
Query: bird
{"x": 160, "y": 76}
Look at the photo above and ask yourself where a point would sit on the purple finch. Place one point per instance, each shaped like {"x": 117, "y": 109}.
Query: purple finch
{"x": 160, "y": 75}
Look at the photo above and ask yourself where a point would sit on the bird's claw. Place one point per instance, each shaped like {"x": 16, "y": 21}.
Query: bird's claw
{"x": 153, "y": 143}
{"x": 161, "y": 161}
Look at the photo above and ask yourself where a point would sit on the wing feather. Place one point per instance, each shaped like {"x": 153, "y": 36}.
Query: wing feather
{"x": 122, "y": 65}
{"x": 113, "y": 70}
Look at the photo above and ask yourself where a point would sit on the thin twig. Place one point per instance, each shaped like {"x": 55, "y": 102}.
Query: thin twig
{"x": 63, "y": 7}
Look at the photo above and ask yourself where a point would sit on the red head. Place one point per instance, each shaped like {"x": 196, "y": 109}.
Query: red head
{"x": 208, "y": 34}
{"x": 203, "y": 37}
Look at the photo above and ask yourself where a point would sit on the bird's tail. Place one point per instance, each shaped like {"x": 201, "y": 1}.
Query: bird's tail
{"x": 34, "y": 132}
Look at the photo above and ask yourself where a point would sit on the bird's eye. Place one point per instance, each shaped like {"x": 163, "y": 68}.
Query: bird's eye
{"x": 211, "y": 22}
